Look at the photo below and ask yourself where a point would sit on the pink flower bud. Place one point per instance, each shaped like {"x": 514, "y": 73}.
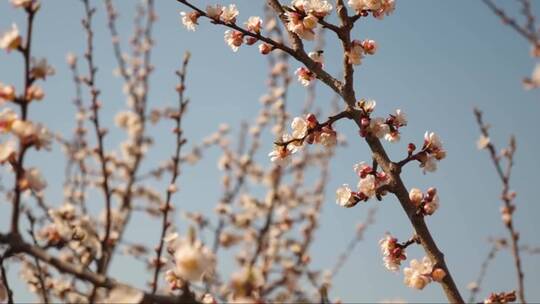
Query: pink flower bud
{"x": 410, "y": 148}
{"x": 265, "y": 48}
{"x": 365, "y": 122}
{"x": 438, "y": 274}
{"x": 251, "y": 40}
{"x": 369, "y": 46}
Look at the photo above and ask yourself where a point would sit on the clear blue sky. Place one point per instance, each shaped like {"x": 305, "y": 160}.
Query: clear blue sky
{"x": 436, "y": 61}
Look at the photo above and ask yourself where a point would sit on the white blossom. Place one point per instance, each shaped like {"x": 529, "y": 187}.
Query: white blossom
{"x": 416, "y": 196}
{"x": 368, "y": 185}
{"x": 482, "y": 142}
{"x": 301, "y": 25}
{"x": 392, "y": 253}
{"x": 254, "y": 24}
{"x": 392, "y": 137}
{"x": 7, "y": 118}
{"x": 33, "y": 180}
{"x": 234, "y": 39}
{"x": 124, "y": 294}
{"x": 361, "y": 5}
{"x": 299, "y": 127}
{"x": 193, "y": 260}
{"x": 41, "y": 69}
{"x": 319, "y": 8}
{"x": 214, "y": 11}
{"x": 418, "y": 274}
{"x": 229, "y": 13}
{"x": 317, "y": 56}
{"x": 11, "y": 39}
{"x": 430, "y": 165}
{"x": 344, "y": 196}
{"x": 378, "y": 127}
{"x": 400, "y": 118}
{"x": 32, "y": 133}
{"x": 7, "y": 93}
{"x": 432, "y": 140}
{"x": 280, "y": 154}
{"x": 247, "y": 276}
{"x": 22, "y": 3}
{"x": 328, "y": 139}
{"x": 189, "y": 20}
{"x": 7, "y": 150}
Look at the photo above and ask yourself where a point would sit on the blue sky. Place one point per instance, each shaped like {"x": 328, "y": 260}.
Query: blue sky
{"x": 436, "y": 61}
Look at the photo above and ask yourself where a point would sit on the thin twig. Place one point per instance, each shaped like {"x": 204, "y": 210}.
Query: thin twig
{"x": 506, "y": 196}
{"x": 180, "y": 141}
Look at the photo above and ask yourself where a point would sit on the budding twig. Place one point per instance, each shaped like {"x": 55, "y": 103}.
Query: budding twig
{"x": 507, "y": 196}
{"x": 180, "y": 141}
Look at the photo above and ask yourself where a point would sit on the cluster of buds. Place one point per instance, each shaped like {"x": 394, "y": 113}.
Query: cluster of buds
{"x": 420, "y": 273}
{"x": 380, "y": 127}
{"x": 245, "y": 285}
{"x": 305, "y": 76}
{"x": 506, "y": 213}
{"x": 304, "y": 130}
{"x": 378, "y": 8}
{"x": 427, "y": 203}
{"x": 369, "y": 186}
{"x": 502, "y": 297}
{"x": 30, "y": 134}
{"x": 303, "y": 16}
{"x": 360, "y": 48}
{"x": 431, "y": 152}
{"x": 228, "y": 15}
{"x": 40, "y": 69}
{"x": 393, "y": 252}
{"x": 69, "y": 228}
{"x": 225, "y": 14}
{"x": 7, "y": 93}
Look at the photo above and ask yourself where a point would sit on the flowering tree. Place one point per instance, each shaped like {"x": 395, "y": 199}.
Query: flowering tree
{"x": 267, "y": 215}
{"x": 301, "y": 19}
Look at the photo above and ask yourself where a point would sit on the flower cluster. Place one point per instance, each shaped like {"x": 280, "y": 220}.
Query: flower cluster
{"x": 502, "y": 297}
{"x": 360, "y": 48}
{"x": 75, "y": 231}
{"x": 368, "y": 186}
{"x": 243, "y": 283}
{"x": 29, "y": 133}
{"x": 393, "y": 252}
{"x": 432, "y": 152}
{"x": 426, "y": 203}
{"x": 387, "y": 128}
{"x": 420, "y": 273}
{"x": 305, "y": 76}
{"x": 303, "y": 16}
{"x": 378, "y": 8}
{"x": 228, "y": 15}
{"x": 304, "y": 130}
